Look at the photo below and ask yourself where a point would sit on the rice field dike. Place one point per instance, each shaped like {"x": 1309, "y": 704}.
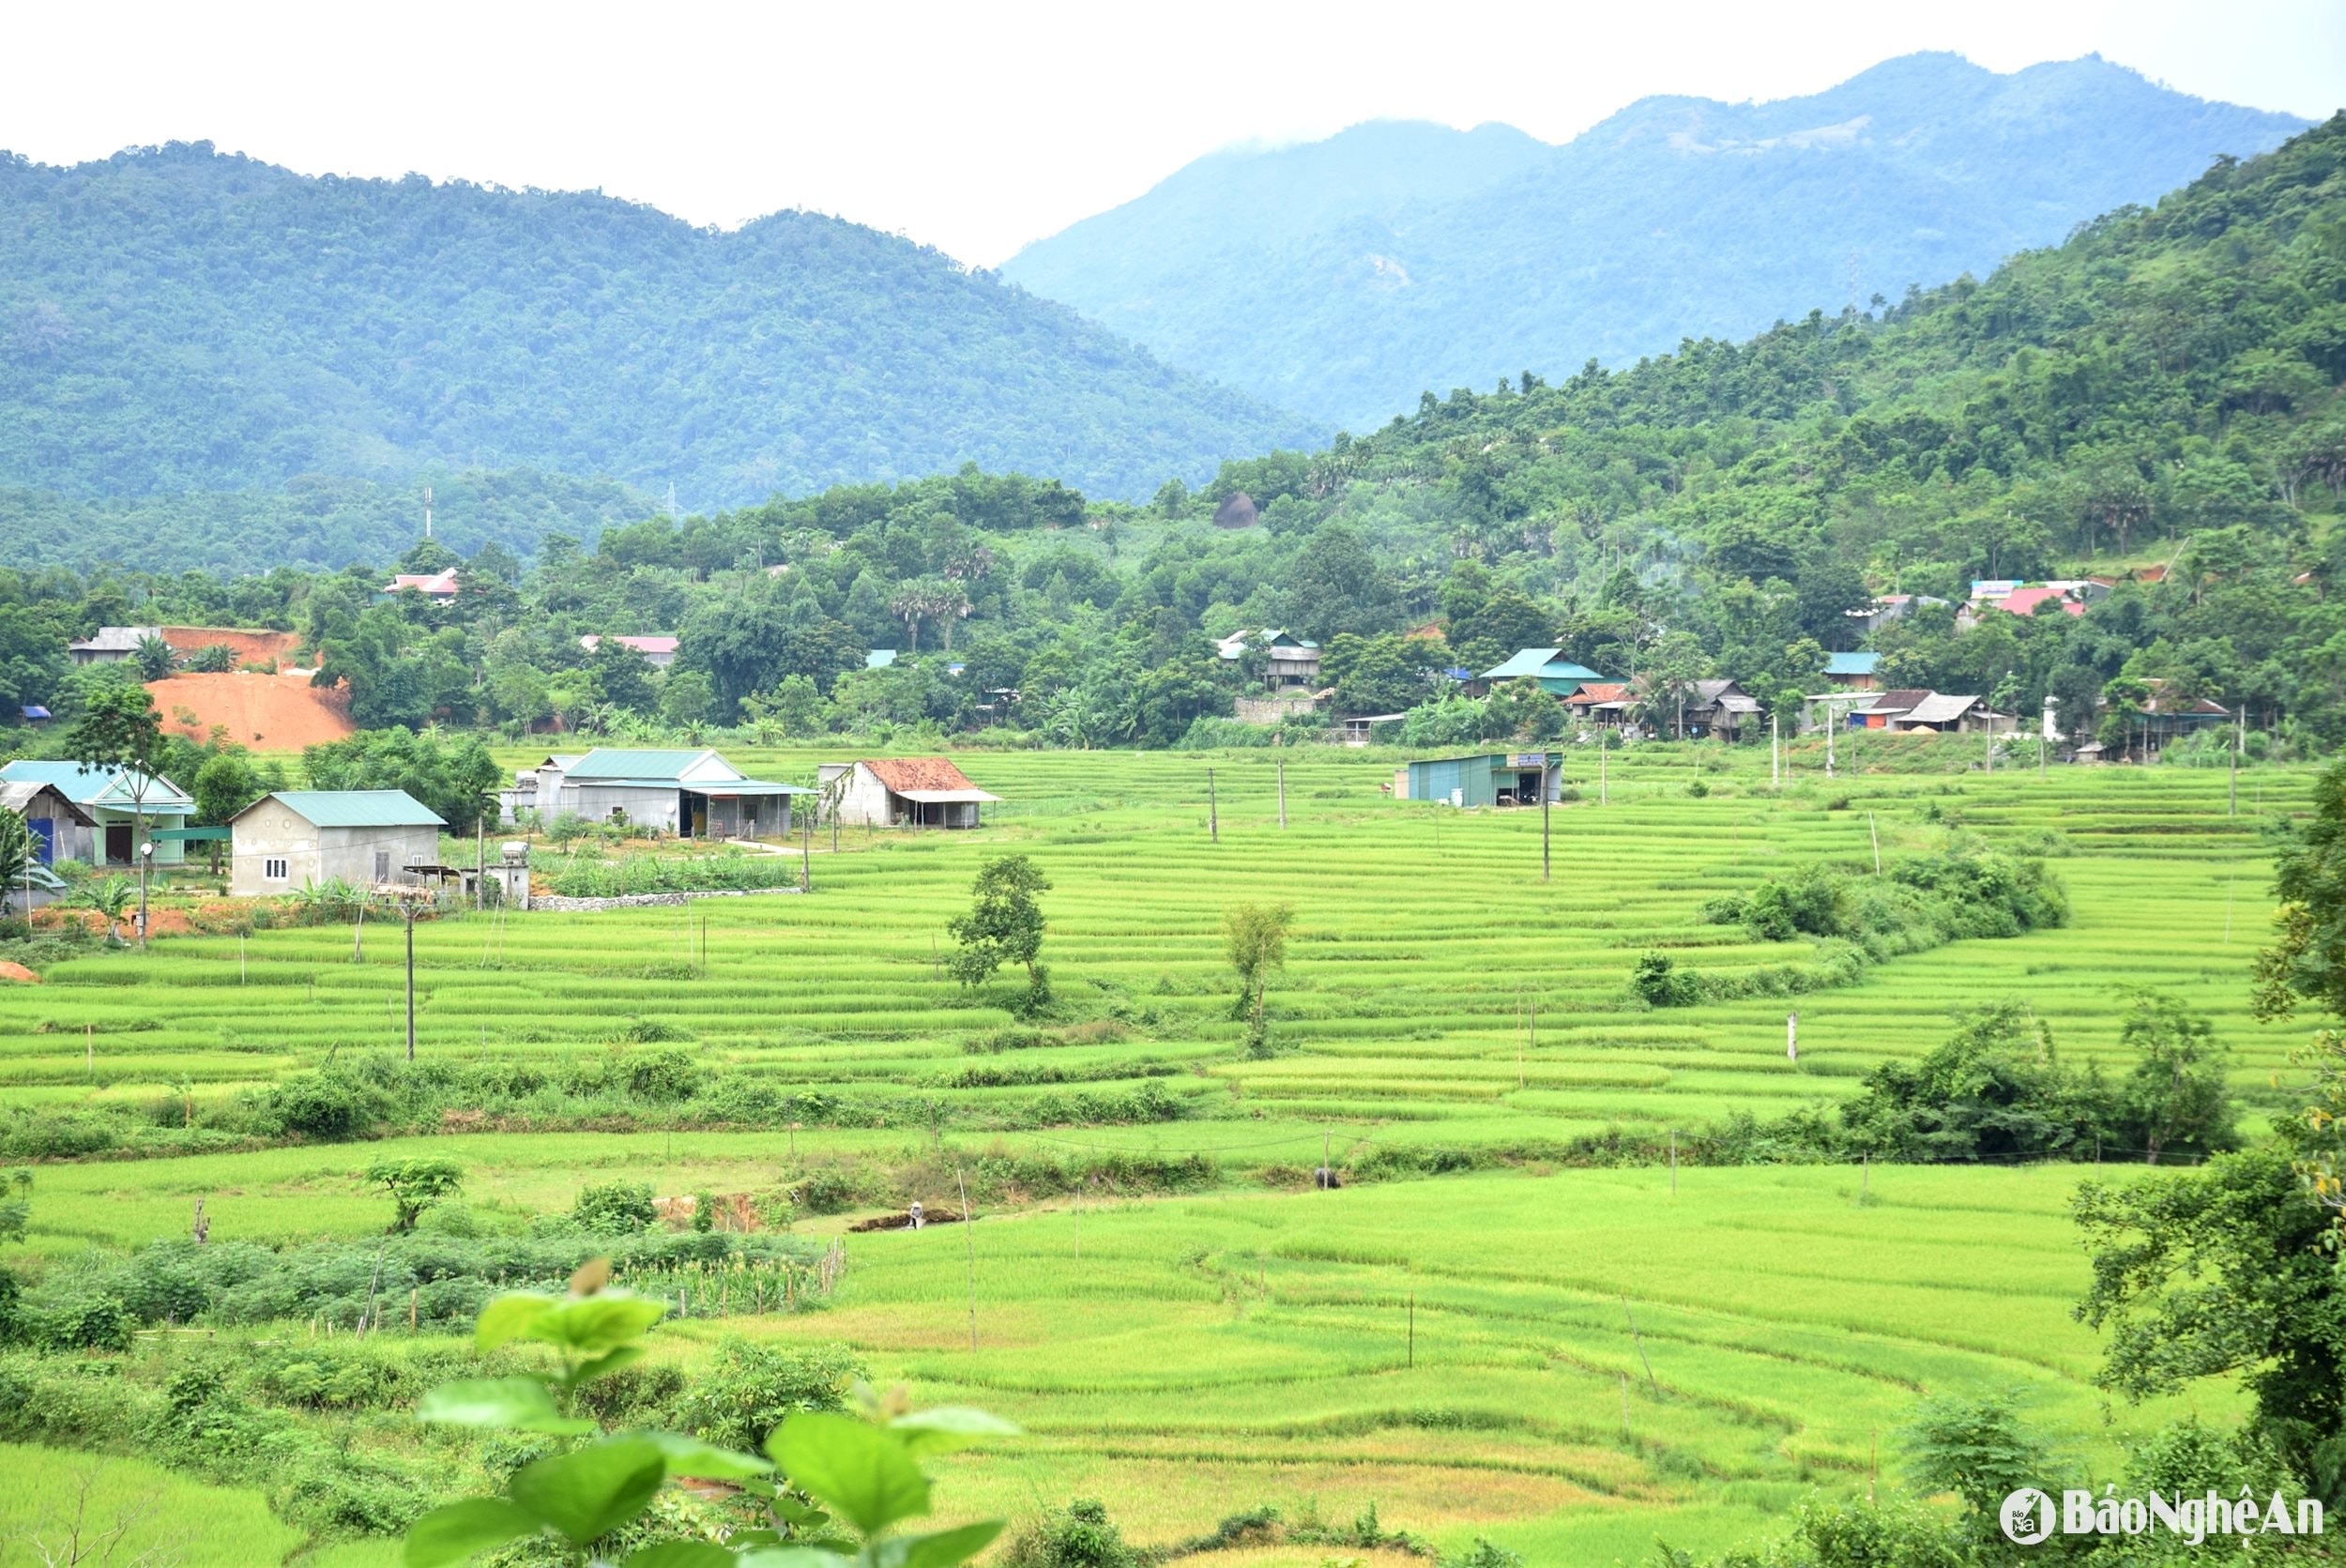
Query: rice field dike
{"x": 1564, "y": 1297}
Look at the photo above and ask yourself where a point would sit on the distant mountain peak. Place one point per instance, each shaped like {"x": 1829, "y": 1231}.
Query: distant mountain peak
{"x": 1674, "y": 216}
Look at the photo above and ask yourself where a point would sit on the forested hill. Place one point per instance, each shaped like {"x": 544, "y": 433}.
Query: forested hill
{"x": 178, "y": 320}
{"x": 1347, "y": 277}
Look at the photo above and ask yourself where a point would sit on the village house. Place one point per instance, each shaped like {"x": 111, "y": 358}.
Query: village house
{"x": 1907, "y": 712}
{"x": 1557, "y": 677}
{"x": 369, "y": 838}
{"x": 1887, "y": 608}
{"x": 901, "y": 792}
{"x": 1294, "y": 661}
{"x": 691, "y": 794}
{"x": 1485, "y": 778}
{"x": 52, "y": 817}
{"x": 659, "y": 652}
{"x": 112, "y": 645}
{"x": 1853, "y": 671}
{"x": 1717, "y": 707}
{"x": 1604, "y": 703}
{"x": 114, "y": 800}
{"x": 438, "y": 586}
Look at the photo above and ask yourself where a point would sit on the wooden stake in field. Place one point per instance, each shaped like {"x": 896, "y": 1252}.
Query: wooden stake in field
{"x": 969, "y": 1251}
{"x": 1776, "y": 752}
{"x": 409, "y": 910}
{"x": 1638, "y": 1340}
{"x": 1414, "y": 1330}
{"x": 480, "y": 865}
{"x": 1213, "y": 816}
{"x": 1875, "y": 828}
{"x": 2240, "y": 739}
{"x": 1600, "y": 769}
{"x": 1673, "y": 1162}
{"x": 244, "y": 969}
{"x": 1281, "y": 765}
{"x": 1543, "y": 859}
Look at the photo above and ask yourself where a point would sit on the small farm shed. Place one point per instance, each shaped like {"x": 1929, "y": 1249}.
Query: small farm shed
{"x": 1853, "y": 671}
{"x": 693, "y": 793}
{"x": 368, "y": 837}
{"x": 1718, "y": 708}
{"x": 114, "y": 800}
{"x": 1486, "y": 778}
{"x": 906, "y": 791}
{"x": 51, "y": 816}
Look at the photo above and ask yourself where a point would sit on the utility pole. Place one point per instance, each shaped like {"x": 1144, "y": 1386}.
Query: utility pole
{"x": 1776, "y": 752}
{"x": 1213, "y": 816}
{"x": 1600, "y": 768}
{"x": 427, "y": 511}
{"x": 409, "y": 909}
{"x": 480, "y": 870}
{"x": 1545, "y": 863}
{"x": 1828, "y": 743}
{"x": 2240, "y": 739}
{"x": 806, "y": 858}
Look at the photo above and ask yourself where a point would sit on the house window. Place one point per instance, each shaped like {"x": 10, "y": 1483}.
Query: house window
{"x": 273, "y": 870}
{"x": 382, "y": 865}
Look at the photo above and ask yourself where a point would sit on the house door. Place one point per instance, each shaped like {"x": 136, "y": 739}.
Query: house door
{"x": 119, "y": 849}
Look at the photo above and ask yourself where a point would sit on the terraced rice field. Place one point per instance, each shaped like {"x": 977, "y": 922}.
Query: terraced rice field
{"x": 1189, "y": 1357}
{"x": 1437, "y": 990}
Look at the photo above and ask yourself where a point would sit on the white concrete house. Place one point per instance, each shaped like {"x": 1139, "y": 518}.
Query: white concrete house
{"x": 693, "y": 793}
{"x": 910, "y": 792}
{"x": 365, "y": 837}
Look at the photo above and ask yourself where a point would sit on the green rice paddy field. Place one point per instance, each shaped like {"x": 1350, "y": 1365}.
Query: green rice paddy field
{"x": 1187, "y": 1358}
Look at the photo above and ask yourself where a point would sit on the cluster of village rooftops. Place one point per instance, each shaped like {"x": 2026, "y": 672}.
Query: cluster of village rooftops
{"x": 120, "y": 818}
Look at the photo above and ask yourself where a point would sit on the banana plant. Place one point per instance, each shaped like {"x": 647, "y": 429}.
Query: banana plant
{"x": 835, "y": 1487}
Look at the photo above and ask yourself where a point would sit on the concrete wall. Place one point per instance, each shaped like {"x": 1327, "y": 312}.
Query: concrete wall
{"x": 865, "y": 803}
{"x": 274, "y": 830}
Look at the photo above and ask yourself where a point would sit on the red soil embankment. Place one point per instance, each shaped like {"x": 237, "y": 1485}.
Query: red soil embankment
{"x": 266, "y": 712}
{"x": 251, "y": 647}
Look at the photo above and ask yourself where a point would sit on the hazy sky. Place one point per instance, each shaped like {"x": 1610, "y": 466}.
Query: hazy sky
{"x": 977, "y": 128}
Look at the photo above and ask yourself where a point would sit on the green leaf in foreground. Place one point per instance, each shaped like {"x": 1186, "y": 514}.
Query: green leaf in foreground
{"x": 523, "y": 1403}
{"x": 948, "y": 1427}
{"x": 939, "y": 1549}
{"x": 588, "y": 1494}
{"x": 863, "y": 1473}
{"x": 455, "y": 1533}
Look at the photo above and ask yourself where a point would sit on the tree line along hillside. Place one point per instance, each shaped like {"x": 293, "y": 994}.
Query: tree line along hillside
{"x": 2157, "y": 399}
{"x": 173, "y": 319}
{"x": 1340, "y": 277}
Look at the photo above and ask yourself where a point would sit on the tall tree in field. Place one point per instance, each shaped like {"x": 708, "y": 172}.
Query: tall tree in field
{"x": 120, "y": 730}
{"x": 1256, "y": 938}
{"x": 1004, "y": 925}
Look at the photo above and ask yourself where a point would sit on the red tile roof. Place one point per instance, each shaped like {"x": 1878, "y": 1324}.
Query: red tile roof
{"x": 1599, "y": 691}
{"x": 905, "y": 773}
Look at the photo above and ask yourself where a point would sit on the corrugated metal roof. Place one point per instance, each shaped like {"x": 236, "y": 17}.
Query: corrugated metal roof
{"x": 1937, "y": 708}
{"x": 355, "y": 808}
{"x": 1529, "y": 661}
{"x": 641, "y": 765}
{"x": 16, "y": 795}
{"x": 111, "y": 787}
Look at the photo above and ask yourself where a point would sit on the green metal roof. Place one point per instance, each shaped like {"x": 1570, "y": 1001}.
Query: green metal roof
{"x": 357, "y": 808}
{"x": 623, "y": 761}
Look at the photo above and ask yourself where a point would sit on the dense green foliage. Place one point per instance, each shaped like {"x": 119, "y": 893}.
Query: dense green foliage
{"x": 2160, "y": 391}
{"x": 178, "y": 319}
{"x": 1344, "y": 276}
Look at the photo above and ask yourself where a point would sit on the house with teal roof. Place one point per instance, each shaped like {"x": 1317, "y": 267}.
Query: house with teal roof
{"x": 1557, "y": 677}
{"x": 118, "y": 801}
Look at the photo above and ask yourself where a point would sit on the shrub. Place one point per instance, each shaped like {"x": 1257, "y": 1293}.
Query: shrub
{"x": 749, "y": 1388}
{"x": 1079, "y": 1535}
{"x": 615, "y": 1207}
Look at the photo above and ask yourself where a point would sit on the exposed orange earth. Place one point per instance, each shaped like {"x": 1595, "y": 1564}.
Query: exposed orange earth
{"x": 266, "y": 712}
{"x": 251, "y": 647}
{"x": 18, "y": 973}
